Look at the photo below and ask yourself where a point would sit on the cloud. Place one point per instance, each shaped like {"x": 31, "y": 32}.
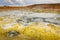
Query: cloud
{"x": 9, "y": 1}
{"x": 27, "y": 2}
{"x": 20, "y": 1}
{"x": 15, "y": 1}
{"x": 42, "y": 1}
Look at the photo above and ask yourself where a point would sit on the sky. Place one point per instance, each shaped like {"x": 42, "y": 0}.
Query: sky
{"x": 25, "y": 2}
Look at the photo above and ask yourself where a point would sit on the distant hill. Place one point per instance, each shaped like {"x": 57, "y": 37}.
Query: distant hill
{"x": 35, "y": 8}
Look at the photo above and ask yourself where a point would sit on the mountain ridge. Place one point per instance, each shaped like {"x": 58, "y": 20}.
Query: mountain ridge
{"x": 45, "y": 7}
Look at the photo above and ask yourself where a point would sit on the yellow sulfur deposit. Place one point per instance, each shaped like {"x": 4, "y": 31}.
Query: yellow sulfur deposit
{"x": 34, "y": 31}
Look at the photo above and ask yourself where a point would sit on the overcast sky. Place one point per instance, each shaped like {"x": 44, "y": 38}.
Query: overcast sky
{"x": 26, "y": 2}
